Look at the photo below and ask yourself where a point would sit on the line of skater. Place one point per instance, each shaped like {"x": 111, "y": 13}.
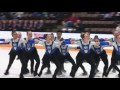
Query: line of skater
{"x": 91, "y": 50}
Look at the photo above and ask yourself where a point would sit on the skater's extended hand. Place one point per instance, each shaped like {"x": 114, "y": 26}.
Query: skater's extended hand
{"x": 72, "y": 41}
{"x": 110, "y": 43}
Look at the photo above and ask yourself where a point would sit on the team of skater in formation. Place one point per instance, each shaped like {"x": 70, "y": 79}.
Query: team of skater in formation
{"x": 57, "y": 51}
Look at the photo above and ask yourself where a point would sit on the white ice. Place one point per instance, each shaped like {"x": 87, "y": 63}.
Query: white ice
{"x": 15, "y": 69}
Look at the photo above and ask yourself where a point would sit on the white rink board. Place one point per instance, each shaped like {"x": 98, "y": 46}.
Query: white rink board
{"x": 7, "y": 34}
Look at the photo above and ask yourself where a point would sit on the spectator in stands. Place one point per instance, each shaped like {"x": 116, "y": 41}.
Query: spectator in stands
{"x": 45, "y": 15}
{"x": 35, "y": 15}
{"x": 52, "y": 15}
{"x": 79, "y": 26}
{"x": 2, "y": 16}
{"x": 70, "y": 21}
{"x": 109, "y": 15}
{"x": 19, "y": 15}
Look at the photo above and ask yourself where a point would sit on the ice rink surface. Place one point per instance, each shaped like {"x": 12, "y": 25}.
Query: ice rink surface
{"x": 16, "y": 67}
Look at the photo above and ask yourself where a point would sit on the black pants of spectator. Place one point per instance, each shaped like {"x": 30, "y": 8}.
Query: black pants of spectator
{"x": 79, "y": 61}
{"x": 46, "y": 61}
{"x": 68, "y": 57}
{"x": 13, "y": 54}
{"x": 33, "y": 55}
{"x": 103, "y": 57}
{"x": 114, "y": 61}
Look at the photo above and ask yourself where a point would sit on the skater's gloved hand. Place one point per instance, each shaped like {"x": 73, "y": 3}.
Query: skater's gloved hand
{"x": 61, "y": 39}
{"x": 72, "y": 41}
{"x": 110, "y": 43}
{"x": 106, "y": 39}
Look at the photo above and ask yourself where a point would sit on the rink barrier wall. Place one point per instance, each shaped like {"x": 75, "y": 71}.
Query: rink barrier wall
{"x": 7, "y": 35}
{"x": 8, "y": 46}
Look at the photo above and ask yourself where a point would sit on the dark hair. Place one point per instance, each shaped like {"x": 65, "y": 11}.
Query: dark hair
{"x": 82, "y": 35}
{"x": 59, "y": 31}
{"x": 13, "y": 32}
{"x": 52, "y": 34}
{"x": 45, "y": 36}
{"x": 96, "y": 37}
{"x": 28, "y": 31}
{"x": 87, "y": 32}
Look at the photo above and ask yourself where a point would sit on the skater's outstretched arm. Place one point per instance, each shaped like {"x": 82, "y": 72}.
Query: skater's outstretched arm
{"x": 8, "y": 41}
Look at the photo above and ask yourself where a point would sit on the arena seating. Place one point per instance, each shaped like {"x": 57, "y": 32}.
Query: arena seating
{"x": 94, "y": 22}
{"x": 97, "y": 24}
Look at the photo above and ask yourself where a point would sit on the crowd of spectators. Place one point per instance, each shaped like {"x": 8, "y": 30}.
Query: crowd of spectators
{"x": 33, "y": 15}
{"x": 36, "y": 21}
{"x": 69, "y": 21}
{"x": 72, "y": 24}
